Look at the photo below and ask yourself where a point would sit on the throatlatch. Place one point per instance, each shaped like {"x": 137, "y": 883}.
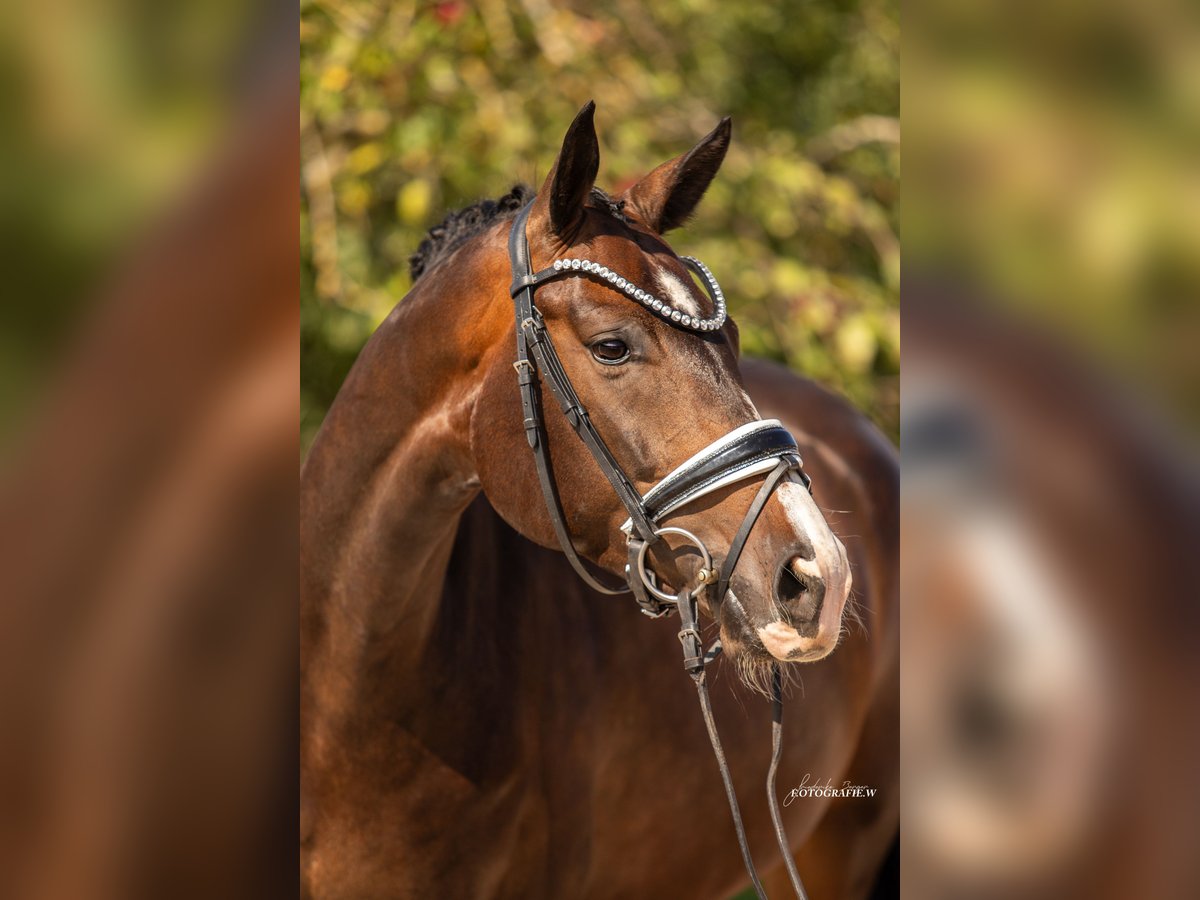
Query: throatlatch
{"x": 756, "y": 448}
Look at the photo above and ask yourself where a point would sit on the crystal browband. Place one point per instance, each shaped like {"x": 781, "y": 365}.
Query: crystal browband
{"x": 647, "y": 299}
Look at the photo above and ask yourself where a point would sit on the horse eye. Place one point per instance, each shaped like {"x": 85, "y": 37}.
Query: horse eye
{"x": 610, "y": 351}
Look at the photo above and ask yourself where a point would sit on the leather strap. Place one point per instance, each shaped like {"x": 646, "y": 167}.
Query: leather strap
{"x": 533, "y": 336}
{"x": 739, "y": 540}
{"x": 538, "y": 340}
{"x": 763, "y": 444}
{"x": 694, "y": 662}
{"x": 651, "y": 606}
{"x": 772, "y": 796}
{"x": 527, "y": 382}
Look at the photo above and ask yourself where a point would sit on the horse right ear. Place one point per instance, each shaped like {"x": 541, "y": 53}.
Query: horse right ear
{"x": 570, "y": 181}
{"x": 734, "y": 337}
{"x": 666, "y": 197}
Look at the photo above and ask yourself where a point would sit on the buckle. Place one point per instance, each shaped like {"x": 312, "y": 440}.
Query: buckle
{"x": 693, "y": 649}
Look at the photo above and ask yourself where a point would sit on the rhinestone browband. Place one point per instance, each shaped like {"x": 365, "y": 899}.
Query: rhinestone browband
{"x": 648, "y": 300}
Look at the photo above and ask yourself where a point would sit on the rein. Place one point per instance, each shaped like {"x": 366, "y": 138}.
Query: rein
{"x": 748, "y": 451}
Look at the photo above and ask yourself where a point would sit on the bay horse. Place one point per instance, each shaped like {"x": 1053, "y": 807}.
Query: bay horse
{"x": 476, "y": 722}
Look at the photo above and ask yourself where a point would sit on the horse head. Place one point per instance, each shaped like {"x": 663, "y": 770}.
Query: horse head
{"x": 658, "y": 392}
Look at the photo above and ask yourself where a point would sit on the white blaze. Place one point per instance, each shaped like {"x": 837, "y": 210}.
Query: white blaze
{"x": 677, "y": 294}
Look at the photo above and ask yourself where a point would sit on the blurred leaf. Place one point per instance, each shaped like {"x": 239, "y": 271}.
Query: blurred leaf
{"x": 413, "y": 201}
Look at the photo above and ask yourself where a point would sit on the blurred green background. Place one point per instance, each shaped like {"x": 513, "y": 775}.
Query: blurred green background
{"x": 409, "y": 110}
{"x": 107, "y": 111}
{"x": 1053, "y": 167}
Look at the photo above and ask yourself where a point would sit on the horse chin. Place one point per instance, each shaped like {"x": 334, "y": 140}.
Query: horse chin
{"x": 756, "y": 652}
{"x": 786, "y": 644}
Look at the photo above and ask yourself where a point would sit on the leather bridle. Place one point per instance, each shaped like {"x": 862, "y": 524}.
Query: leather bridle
{"x": 753, "y": 449}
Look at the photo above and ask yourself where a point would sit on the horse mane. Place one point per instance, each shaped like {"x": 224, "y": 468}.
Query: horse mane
{"x": 469, "y": 221}
{"x": 465, "y": 223}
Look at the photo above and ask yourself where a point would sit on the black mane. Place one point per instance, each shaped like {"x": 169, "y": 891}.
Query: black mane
{"x": 465, "y": 223}
{"x": 471, "y": 220}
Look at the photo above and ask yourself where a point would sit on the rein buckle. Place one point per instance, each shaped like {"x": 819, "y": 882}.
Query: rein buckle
{"x": 693, "y": 650}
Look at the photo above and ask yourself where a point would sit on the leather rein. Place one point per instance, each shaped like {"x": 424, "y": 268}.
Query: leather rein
{"x": 748, "y": 451}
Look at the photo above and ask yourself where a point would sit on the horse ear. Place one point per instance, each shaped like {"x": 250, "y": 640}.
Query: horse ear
{"x": 666, "y": 197}
{"x": 735, "y": 338}
{"x": 574, "y": 173}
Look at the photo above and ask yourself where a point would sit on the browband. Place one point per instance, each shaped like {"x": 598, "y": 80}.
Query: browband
{"x": 529, "y": 280}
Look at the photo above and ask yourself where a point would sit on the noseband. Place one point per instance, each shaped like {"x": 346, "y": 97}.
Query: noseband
{"x": 751, "y": 450}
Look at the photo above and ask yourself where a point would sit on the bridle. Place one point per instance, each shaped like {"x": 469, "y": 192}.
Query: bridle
{"x": 748, "y": 451}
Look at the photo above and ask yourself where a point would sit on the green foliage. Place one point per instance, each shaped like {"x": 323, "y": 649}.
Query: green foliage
{"x": 411, "y": 109}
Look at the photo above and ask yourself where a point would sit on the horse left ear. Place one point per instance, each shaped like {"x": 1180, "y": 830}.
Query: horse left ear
{"x": 666, "y": 197}
{"x": 570, "y": 181}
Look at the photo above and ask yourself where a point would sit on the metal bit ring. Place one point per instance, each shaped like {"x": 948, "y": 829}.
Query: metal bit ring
{"x": 706, "y": 573}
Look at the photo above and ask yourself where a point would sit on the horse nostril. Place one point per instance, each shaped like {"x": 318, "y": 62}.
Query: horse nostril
{"x": 800, "y": 592}
{"x": 792, "y": 584}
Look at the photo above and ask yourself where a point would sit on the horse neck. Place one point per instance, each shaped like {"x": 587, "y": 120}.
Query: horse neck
{"x": 385, "y": 483}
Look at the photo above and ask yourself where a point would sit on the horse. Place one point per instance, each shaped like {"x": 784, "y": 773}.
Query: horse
{"x": 478, "y": 722}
